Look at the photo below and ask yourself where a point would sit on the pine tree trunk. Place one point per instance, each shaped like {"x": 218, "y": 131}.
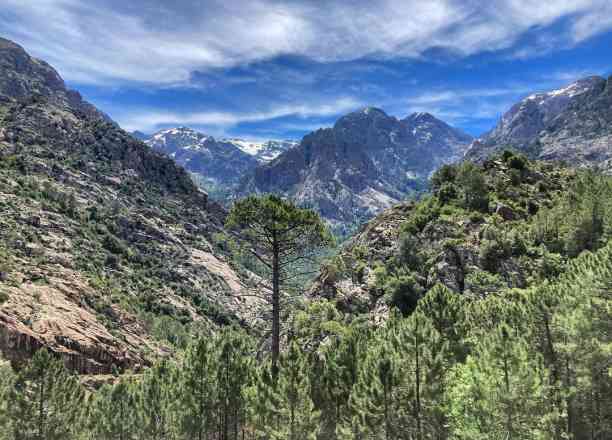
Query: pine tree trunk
{"x": 275, "y": 307}
{"x": 509, "y": 410}
{"x": 418, "y": 384}
{"x": 41, "y": 410}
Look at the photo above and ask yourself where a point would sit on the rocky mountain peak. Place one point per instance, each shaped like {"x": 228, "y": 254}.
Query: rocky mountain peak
{"x": 364, "y": 116}
{"x": 539, "y": 125}
{"x": 421, "y": 117}
{"x": 366, "y": 162}
{"x": 23, "y": 75}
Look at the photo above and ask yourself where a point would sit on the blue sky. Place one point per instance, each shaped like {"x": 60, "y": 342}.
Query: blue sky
{"x": 264, "y": 69}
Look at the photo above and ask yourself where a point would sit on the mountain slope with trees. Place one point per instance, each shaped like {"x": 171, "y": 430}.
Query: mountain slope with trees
{"x": 109, "y": 253}
{"x": 501, "y": 225}
{"x": 518, "y": 363}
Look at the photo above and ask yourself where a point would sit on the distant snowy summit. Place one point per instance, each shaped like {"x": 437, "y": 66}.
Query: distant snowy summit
{"x": 217, "y": 163}
{"x": 171, "y": 140}
{"x": 263, "y": 151}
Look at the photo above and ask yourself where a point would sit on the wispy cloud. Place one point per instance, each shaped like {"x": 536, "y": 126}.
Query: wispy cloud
{"x": 151, "y": 119}
{"x": 105, "y": 41}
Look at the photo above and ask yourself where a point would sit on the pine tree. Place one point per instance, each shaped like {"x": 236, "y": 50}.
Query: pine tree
{"x": 500, "y": 391}
{"x": 262, "y": 402}
{"x": 376, "y": 395}
{"x": 46, "y": 400}
{"x": 581, "y": 326}
{"x": 113, "y": 411}
{"x": 296, "y": 417}
{"x": 233, "y": 375}
{"x": 446, "y": 312}
{"x": 334, "y": 372}
{"x": 424, "y": 361}
{"x": 154, "y": 395}
{"x": 195, "y": 406}
{"x": 280, "y": 236}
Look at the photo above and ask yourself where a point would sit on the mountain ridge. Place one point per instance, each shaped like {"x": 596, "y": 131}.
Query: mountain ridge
{"x": 365, "y": 163}
{"x": 570, "y": 123}
{"x": 218, "y": 164}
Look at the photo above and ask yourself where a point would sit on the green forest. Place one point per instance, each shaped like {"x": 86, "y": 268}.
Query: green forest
{"x": 496, "y": 362}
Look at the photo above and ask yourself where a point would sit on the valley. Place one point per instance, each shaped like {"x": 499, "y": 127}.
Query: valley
{"x": 380, "y": 277}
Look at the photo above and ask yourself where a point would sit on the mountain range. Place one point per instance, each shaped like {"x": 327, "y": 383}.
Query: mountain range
{"x": 366, "y": 162}
{"x": 108, "y": 248}
{"x": 218, "y": 165}
{"x": 369, "y": 161}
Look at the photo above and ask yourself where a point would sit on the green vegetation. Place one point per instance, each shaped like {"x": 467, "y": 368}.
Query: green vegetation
{"x": 520, "y": 348}
{"x": 523, "y": 364}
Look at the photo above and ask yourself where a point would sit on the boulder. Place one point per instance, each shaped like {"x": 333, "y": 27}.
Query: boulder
{"x": 505, "y": 212}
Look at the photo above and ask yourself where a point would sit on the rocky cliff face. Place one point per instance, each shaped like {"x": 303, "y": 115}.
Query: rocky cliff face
{"x": 365, "y": 163}
{"x": 572, "y": 123}
{"x": 107, "y": 248}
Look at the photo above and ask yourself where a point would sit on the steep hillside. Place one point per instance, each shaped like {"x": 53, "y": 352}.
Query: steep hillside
{"x": 572, "y": 123}
{"x": 107, "y": 249}
{"x": 505, "y": 224}
{"x": 365, "y": 163}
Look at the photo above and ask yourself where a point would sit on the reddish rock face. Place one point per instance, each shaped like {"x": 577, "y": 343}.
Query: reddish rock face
{"x": 51, "y": 317}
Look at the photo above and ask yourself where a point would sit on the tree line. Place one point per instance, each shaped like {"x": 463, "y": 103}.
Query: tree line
{"x": 529, "y": 364}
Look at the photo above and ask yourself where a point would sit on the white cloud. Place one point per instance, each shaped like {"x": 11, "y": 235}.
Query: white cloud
{"x": 148, "y": 120}
{"x": 163, "y": 43}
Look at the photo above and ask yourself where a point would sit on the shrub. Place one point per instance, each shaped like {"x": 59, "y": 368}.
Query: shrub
{"x": 360, "y": 271}
{"x": 335, "y": 268}
{"x": 425, "y": 211}
{"x": 445, "y": 174}
{"x": 114, "y": 245}
{"x": 491, "y": 253}
{"x": 482, "y": 283}
{"x": 409, "y": 254}
{"x": 515, "y": 177}
{"x": 403, "y": 292}
{"x": 476, "y": 217}
{"x": 447, "y": 192}
{"x": 474, "y": 186}
{"x": 517, "y": 162}
{"x": 3, "y": 297}
{"x": 507, "y": 155}
{"x": 551, "y": 265}
{"x": 517, "y": 244}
